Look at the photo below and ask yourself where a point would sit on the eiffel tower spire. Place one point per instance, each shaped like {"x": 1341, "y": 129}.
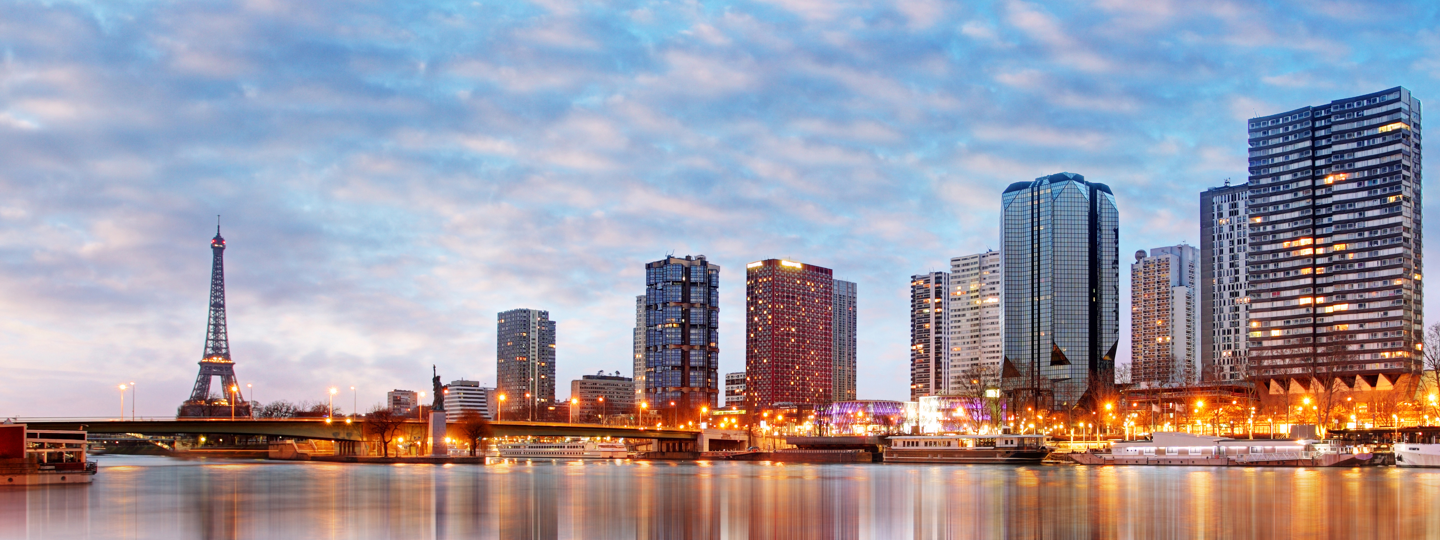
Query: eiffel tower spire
{"x": 215, "y": 361}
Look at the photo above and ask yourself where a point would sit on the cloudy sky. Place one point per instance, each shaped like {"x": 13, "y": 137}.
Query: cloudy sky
{"x": 392, "y": 174}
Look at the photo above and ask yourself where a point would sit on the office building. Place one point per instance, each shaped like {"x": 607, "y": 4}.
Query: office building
{"x": 462, "y": 395}
{"x": 601, "y": 395}
{"x": 977, "y": 334}
{"x": 735, "y": 389}
{"x": 842, "y": 324}
{"x": 682, "y": 339}
{"x": 789, "y": 342}
{"x": 1164, "y": 349}
{"x": 402, "y": 402}
{"x": 525, "y": 363}
{"x": 1334, "y": 252}
{"x": 929, "y": 298}
{"x": 1060, "y": 243}
{"x": 1224, "y": 293}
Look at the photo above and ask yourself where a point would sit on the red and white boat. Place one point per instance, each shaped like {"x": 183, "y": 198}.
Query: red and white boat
{"x": 43, "y": 457}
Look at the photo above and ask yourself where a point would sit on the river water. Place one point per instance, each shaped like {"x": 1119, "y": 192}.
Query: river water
{"x": 155, "y": 497}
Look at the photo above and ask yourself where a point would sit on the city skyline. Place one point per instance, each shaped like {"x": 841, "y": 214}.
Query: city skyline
{"x": 383, "y": 202}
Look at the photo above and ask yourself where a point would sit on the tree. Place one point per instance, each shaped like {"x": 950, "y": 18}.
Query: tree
{"x": 474, "y": 427}
{"x": 276, "y": 409}
{"x": 1430, "y": 364}
{"x": 383, "y": 424}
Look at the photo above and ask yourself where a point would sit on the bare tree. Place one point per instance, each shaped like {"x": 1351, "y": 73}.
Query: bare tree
{"x": 1430, "y": 364}
{"x": 383, "y": 424}
{"x": 474, "y": 427}
{"x": 276, "y": 409}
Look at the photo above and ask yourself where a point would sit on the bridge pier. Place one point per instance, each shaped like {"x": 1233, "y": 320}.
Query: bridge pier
{"x": 347, "y": 448}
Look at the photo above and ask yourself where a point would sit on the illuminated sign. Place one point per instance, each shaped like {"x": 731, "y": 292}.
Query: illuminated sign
{"x": 791, "y": 264}
{"x": 754, "y": 264}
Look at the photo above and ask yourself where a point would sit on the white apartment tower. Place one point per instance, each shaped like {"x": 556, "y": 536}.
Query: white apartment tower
{"x": 1164, "y": 350}
{"x": 929, "y": 296}
{"x": 976, "y": 316}
{"x": 1224, "y": 294}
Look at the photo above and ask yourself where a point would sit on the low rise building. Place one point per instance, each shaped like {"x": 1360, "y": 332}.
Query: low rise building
{"x": 601, "y": 395}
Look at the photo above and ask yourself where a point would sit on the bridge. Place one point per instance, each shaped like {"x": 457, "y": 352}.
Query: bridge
{"x": 340, "y": 429}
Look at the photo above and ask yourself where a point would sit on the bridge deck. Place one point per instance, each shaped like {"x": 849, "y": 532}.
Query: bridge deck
{"x": 340, "y": 429}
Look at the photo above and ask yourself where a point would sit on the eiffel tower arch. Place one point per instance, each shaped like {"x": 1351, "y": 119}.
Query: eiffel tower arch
{"x": 216, "y": 362}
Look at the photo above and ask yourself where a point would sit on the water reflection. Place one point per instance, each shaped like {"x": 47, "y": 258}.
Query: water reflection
{"x": 138, "y": 497}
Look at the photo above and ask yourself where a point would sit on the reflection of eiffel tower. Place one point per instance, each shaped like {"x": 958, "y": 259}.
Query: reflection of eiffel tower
{"x": 216, "y": 361}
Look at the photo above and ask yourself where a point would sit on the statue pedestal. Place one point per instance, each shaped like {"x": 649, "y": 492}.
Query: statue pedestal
{"x": 437, "y": 434}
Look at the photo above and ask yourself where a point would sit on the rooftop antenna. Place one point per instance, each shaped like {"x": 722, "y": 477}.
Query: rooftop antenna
{"x": 217, "y": 224}
{"x": 1227, "y": 182}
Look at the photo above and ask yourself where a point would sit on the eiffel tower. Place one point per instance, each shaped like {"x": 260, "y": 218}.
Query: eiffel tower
{"x": 216, "y": 361}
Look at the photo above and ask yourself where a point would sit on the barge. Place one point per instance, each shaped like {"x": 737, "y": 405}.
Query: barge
{"x": 43, "y": 457}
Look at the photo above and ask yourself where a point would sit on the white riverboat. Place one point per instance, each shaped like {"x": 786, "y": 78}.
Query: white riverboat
{"x": 1168, "y": 448}
{"x": 564, "y": 450}
{"x": 1000, "y": 449}
{"x": 1417, "y": 455}
{"x": 42, "y": 457}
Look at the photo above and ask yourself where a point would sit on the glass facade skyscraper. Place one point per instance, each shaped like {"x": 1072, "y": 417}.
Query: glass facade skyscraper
{"x": 842, "y": 373}
{"x": 1060, "y": 243}
{"x": 525, "y": 363}
{"x": 1335, "y": 271}
{"x": 682, "y": 336}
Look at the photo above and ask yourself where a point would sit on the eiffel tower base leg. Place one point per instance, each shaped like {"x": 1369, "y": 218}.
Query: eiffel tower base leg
{"x": 437, "y": 434}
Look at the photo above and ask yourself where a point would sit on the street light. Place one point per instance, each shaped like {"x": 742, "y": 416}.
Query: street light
{"x": 602, "y": 409}
{"x": 573, "y": 403}
{"x": 331, "y": 401}
{"x": 122, "y": 402}
{"x": 249, "y": 389}
{"x": 234, "y": 389}
{"x": 500, "y": 414}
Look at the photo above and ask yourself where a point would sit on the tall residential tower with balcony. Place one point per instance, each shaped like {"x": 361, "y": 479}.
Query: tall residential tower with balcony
{"x": 977, "y": 335}
{"x": 525, "y": 363}
{"x": 929, "y": 346}
{"x": 789, "y": 339}
{"x": 843, "y": 328}
{"x": 1335, "y": 241}
{"x": 1164, "y": 346}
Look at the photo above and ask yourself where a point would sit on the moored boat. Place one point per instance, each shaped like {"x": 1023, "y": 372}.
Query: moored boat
{"x": 968, "y": 449}
{"x": 1417, "y": 455}
{"x": 1200, "y": 450}
{"x": 43, "y": 457}
{"x": 564, "y": 450}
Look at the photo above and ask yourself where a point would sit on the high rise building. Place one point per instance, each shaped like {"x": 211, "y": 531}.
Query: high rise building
{"x": 929, "y": 349}
{"x": 601, "y": 396}
{"x": 735, "y": 389}
{"x": 977, "y": 332}
{"x": 682, "y": 339}
{"x": 462, "y": 395}
{"x": 639, "y": 345}
{"x": 842, "y": 325}
{"x": 1224, "y": 293}
{"x": 789, "y": 340}
{"x": 1060, "y": 243}
{"x": 1334, "y": 250}
{"x": 525, "y": 363}
{"x": 402, "y": 402}
{"x": 1164, "y": 349}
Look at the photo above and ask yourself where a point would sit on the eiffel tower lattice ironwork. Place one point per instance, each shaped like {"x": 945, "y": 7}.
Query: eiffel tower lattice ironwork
{"x": 216, "y": 360}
